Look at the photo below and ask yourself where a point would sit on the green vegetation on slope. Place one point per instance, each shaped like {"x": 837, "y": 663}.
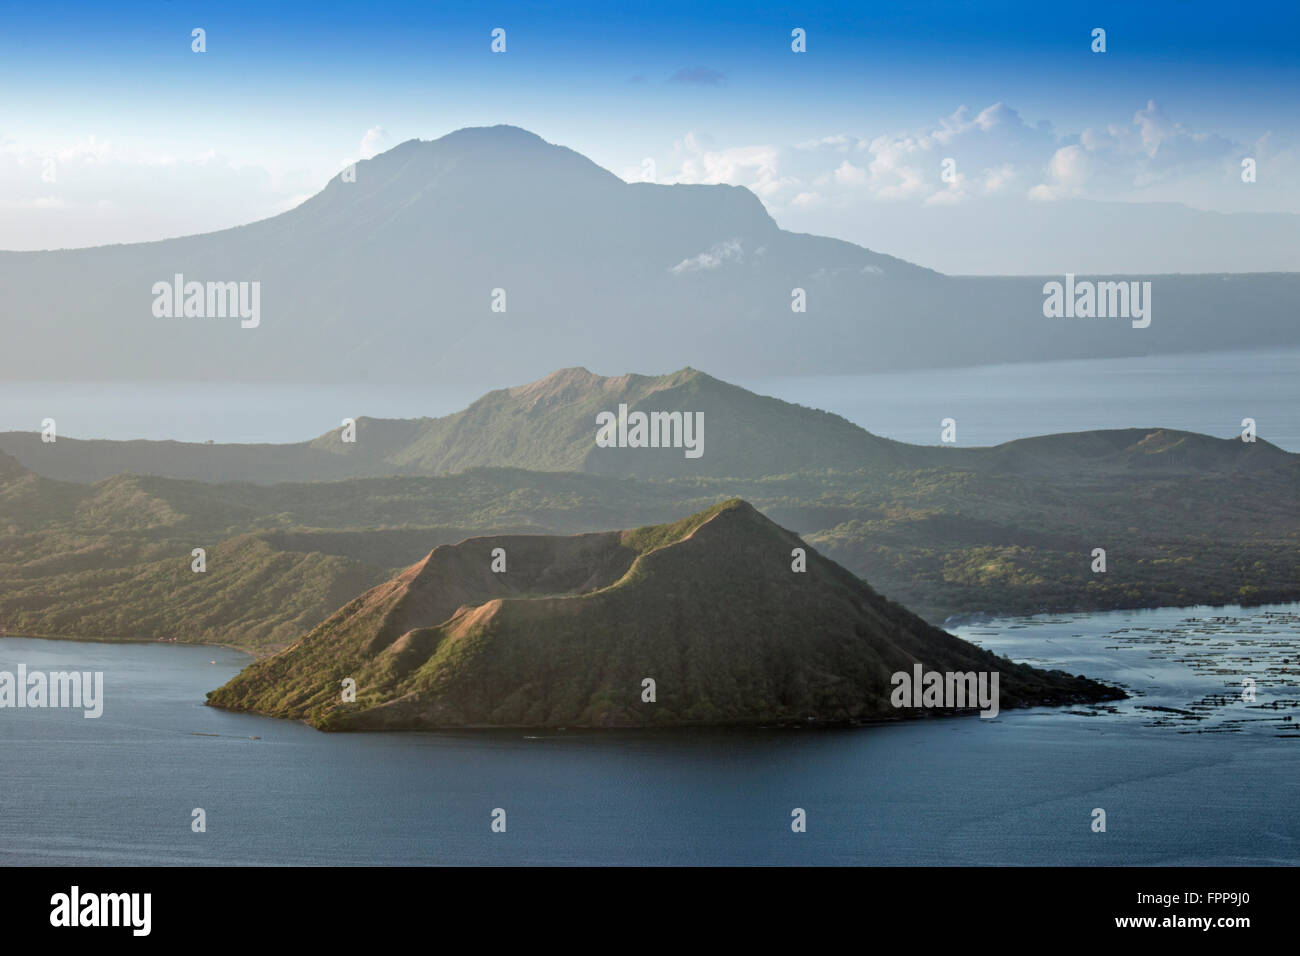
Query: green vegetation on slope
{"x": 1010, "y": 531}
{"x": 548, "y": 425}
{"x": 708, "y": 607}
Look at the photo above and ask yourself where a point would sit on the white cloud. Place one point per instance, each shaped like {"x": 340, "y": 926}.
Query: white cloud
{"x": 729, "y": 251}
{"x": 1070, "y": 165}
{"x": 375, "y": 142}
{"x": 1151, "y": 158}
{"x": 756, "y": 167}
{"x": 94, "y": 191}
{"x": 999, "y": 178}
{"x": 849, "y": 175}
{"x": 1146, "y": 156}
{"x": 838, "y": 142}
{"x": 105, "y": 190}
{"x": 955, "y": 191}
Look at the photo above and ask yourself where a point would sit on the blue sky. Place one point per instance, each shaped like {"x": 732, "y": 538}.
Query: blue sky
{"x": 287, "y": 93}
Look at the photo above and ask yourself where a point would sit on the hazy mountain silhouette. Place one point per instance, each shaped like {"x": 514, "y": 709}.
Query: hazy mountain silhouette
{"x": 391, "y": 277}
{"x": 708, "y": 607}
{"x": 551, "y": 425}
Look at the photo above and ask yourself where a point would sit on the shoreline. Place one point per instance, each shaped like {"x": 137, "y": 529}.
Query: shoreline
{"x": 75, "y": 639}
{"x": 911, "y": 715}
{"x": 978, "y": 618}
{"x": 775, "y": 725}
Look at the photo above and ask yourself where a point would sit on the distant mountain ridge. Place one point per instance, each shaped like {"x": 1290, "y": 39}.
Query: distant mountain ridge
{"x": 393, "y": 276}
{"x": 551, "y": 425}
{"x": 708, "y": 608}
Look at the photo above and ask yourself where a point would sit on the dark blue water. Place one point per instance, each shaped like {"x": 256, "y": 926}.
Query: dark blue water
{"x": 1221, "y": 786}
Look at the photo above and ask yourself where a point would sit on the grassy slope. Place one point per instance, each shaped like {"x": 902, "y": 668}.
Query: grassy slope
{"x": 707, "y": 605}
{"x": 547, "y": 425}
{"x": 1184, "y": 520}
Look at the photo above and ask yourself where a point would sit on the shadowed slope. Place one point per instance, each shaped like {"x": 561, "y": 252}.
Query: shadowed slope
{"x": 708, "y": 607}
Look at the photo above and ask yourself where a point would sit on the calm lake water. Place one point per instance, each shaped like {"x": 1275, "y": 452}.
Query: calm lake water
{"x": 1187, "y": 772}
{"x": 1209, "y": 393}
